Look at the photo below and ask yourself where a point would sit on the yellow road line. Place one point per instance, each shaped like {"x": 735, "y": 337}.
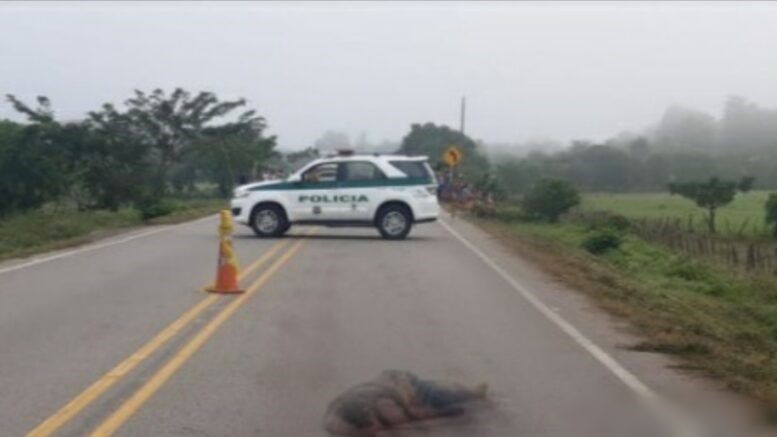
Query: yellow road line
{"x": 144, "y": 393}
{"x": 255, "y": 265}
{"x": 261, "y": 260}
{"x": 94, "y": 391}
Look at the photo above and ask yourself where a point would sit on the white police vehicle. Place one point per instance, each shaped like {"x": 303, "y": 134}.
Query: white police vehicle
{"x": 388, "y": 192}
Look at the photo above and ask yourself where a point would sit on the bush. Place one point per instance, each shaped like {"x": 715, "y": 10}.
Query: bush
{"x": 617, "y": 222}
{"x": 688, "y": 270}
{"x": 510, "y": 214}
{"x": 771, "y": 213}
{"x": 150, "y": 209}
{"x": 602, "y": 220}
{"x": 481, "y": 210}
{"x": 549, "y": 199}
{"x": 503, "y": 213}
{"x": 601, "y": 242}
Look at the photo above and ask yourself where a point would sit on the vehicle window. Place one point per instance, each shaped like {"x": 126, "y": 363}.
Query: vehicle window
{"x": 360, "y": 171}
{"x": 321, "y": 173}
{"x": 413, "y": 169}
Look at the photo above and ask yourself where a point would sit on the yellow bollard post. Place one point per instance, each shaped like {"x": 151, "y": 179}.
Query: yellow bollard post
{"x": 225, "y": 223}
{"x": 227, "y": 269}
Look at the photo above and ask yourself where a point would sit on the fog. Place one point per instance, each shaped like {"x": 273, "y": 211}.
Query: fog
{"x": 530, "y": 71}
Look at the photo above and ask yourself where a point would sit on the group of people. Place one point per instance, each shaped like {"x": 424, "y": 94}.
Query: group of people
{"x": 460, "y": 193}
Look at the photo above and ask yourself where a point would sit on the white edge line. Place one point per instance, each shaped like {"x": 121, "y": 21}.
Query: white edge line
{"x": 95, "y": 246}
{"x": 681, "y": 426}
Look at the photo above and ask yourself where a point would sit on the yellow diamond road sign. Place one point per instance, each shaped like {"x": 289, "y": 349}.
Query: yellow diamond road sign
{"x": 452, "y": 156}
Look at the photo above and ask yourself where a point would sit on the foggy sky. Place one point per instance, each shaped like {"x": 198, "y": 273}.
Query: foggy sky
{"x": 529, "y": 70}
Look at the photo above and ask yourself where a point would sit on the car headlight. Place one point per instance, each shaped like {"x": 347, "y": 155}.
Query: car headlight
{"x": 241, "y": 194}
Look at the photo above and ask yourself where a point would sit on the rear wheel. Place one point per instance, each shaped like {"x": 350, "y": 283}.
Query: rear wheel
{"x": 394, "y": 222}
{"x": 269, "y": 221}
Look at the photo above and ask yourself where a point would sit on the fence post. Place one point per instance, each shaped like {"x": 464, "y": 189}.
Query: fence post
{"x": 750, "y": 257}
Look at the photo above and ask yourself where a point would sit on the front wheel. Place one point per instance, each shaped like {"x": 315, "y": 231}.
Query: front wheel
{"x": 269, "y": 221}
{"x": 394, "y": 222}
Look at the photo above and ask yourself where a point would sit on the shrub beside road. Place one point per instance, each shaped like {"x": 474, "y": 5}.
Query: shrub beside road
{"x": 53, "y": 227}
{"x": 718, "y": 320}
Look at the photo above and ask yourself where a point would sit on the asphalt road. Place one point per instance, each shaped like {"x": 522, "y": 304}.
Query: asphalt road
{"x": 118, "y": 338}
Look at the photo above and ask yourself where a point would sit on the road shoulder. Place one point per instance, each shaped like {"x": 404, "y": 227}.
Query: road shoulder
{"x": 614, "y": 335}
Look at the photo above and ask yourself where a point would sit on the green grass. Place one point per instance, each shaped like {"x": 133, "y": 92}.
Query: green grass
{"x": 746, "y": 210}
{"x": 715, "y": 320}
{"x": 51, "y": 228}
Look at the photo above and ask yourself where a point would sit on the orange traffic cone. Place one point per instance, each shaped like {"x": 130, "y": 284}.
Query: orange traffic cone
{"x": 227, "y": 269}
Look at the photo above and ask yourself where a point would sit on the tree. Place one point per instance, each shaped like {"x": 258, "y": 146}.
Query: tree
{"x": 746, "y": 126}
{"x": 657, "y": 170}
{"x": 639, "y": 149}
{"x": 771, "y": 213}
{"x": 37, "y": 159}
{"x": 489, "y": 186}
{"x": 127, "y": 156}
{"x": 172, "y": 124}
{"x": 711, "y": 195}
{"x": 116, "y": 166}
{"x": 549, "y": 199}
{"x": 331, "y": 141}
{"x": 602, "y": 168}
{"x": 296, "y": 160}
{"x": 11, "y": 185}
{"x": 516, "y": 176}
{"x": 692, "y": 166}
{"x": 232, "y": 151}
{"x": 686, "y": 129}
{"x": 432, "y": 140}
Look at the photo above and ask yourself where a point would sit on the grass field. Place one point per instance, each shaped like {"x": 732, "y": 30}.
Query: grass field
{"x": 51, "y": 228}
{"x": 745, "y": 212}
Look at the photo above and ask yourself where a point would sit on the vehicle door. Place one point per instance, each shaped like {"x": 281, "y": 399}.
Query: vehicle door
{"x": 360, "y": 186}
{"x": 311, "y": 197}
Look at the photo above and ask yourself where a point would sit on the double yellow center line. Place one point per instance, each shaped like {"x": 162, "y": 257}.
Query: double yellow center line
{"x": 93, "y": 392}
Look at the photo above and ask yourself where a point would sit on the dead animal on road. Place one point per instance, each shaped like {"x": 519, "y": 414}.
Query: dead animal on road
{"x": 395, "y": 398}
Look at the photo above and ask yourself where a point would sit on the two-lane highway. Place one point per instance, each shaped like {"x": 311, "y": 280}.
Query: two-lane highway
{"x": 120, "y": 339}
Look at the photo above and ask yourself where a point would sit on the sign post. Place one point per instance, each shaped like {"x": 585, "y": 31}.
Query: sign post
{"x": 452, "y": 156}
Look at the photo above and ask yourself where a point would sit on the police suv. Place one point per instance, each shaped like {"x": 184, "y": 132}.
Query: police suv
{"x": 388, "y": 192}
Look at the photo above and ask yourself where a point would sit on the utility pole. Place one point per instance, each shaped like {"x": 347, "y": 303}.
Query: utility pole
{"x": 463, "y": 114}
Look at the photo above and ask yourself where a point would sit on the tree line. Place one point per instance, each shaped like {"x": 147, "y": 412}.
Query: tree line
{"x": 680, "y": 148}
{"x": 155, "y": 144}
{"x": 638, "y": 167}
{"x": 684, "y": 145}
{"x": 547, "y": 183}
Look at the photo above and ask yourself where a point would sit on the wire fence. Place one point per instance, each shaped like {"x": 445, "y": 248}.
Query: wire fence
{"x": 737, "y": 248}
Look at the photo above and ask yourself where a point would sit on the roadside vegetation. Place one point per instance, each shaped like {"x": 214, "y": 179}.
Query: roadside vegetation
{"x": 717, "y": 321}
{"x": 158, "y": 157}
{"x": 684, "y": 145}
{"x": 719, "y": 317}
{"x": 56, "y": 227}
{"x": 674, "y": 230}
